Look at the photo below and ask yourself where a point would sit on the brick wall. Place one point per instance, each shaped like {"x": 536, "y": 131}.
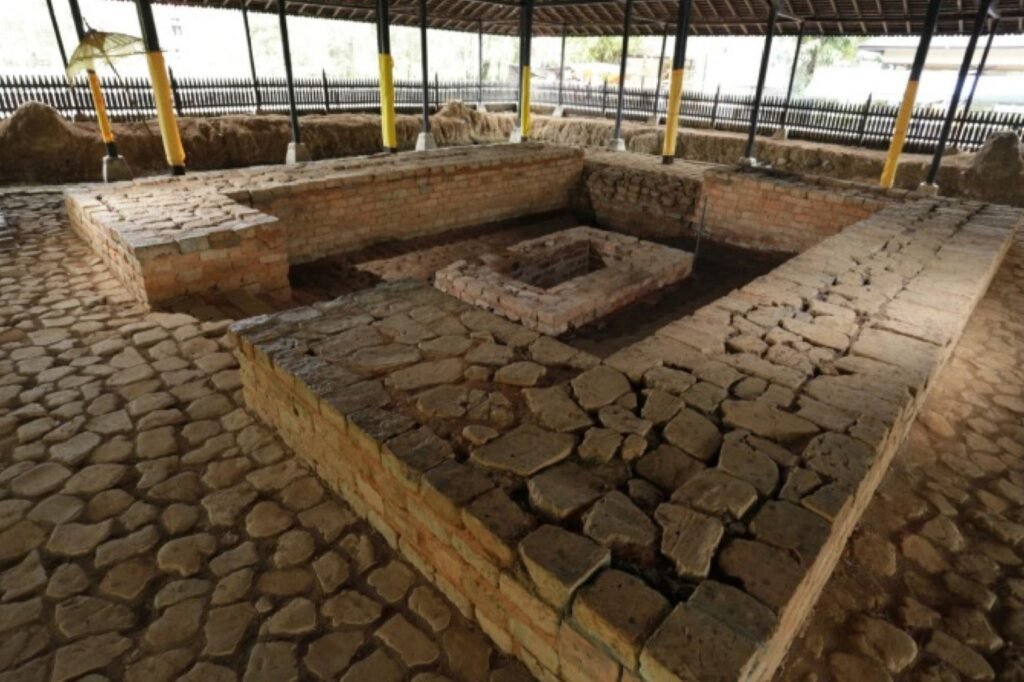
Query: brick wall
{"x": 776, "y": 213}
{"x": 449, "y": 545}
{"x": 248, "y": 255}
{"x": 637, "y": 194}
{"x": 405, "y": 201}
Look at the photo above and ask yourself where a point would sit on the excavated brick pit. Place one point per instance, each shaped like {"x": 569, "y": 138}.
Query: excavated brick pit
{"x": 565, "y": 280}
{"x": 668, "y": 513}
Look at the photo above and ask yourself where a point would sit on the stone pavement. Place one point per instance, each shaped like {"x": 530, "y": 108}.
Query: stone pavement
{"x": 151, "y": 530}
{"x": 930, "y": 587}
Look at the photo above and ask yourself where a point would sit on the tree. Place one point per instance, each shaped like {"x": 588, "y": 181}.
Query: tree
{"x": 608, "y": 49}
{"x": 823, "y": 51}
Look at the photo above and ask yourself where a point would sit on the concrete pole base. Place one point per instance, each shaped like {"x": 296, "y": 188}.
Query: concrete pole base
{"x": 781, "y": 134}
{"x": 516, "y": 136}
{"x": 927, "y": 189}
{"x": 481, "y": 107}
{"x": 297, "y": 153}
{"x": 559, "y": 112}
{"x": 617, "y": 145}
{"x": 749, "y": 162}
{"x": 653, "y": 120}
{"x": 425, "y": 142}
{"x": 116, "y": 169}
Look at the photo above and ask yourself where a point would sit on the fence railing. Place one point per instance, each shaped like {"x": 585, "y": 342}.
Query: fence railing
{"x": 866, "y": 124}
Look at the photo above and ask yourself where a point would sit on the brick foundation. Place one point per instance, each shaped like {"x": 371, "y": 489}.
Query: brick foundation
{"x": 811, "y": 373}
{"x": 565, "y": 280}
{"x": 240, "y": 230}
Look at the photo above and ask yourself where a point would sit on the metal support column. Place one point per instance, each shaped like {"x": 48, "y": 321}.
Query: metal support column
{"x": 899, "y": 133}
{"x": 675, "y": 88}
{"x": 56, "y": 34}
{"x": 161, "y": 84}
{"x": 114, "y": 165}
{"x": 961, "y": 129}
{"x": 792, "y": 78}
{"x": 425, "y": 140}
{"x": 657, "y": 78}
{"x": 297, "y": 151}
{"x": 617, "y": 143}
{"x": 755, "y": 113}
{"x": 252, "y": 60}
{"x": 954, "y": 103}
{"x": 480, "y": 67}
{"x": 561, "y": 70}
{"x": 386, "y": 65}
{"x": 524, "y": 119}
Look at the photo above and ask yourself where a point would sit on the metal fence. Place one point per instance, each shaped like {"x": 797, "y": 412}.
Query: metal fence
{"x": 866, "y": 124}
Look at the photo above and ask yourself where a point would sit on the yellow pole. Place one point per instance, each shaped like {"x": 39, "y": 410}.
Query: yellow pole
{"x": 899, "y": 133}
{"x": 675, "y": 89}
{"x": 389, "y": 134}
{"x": 100, "y": 103}
{"x": 165, "y": 112}
{"x": 526, "y": 120}
{"x": 675, "y": 95}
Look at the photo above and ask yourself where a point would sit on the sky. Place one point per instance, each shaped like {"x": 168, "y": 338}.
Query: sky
{"x": 211, "y": 42}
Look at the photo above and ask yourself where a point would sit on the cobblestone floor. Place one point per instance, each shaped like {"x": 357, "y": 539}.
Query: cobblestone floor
{"x": 931, "y": 586}
{"x": 150, "y": 530}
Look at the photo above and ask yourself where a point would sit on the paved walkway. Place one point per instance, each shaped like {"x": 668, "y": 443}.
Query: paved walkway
{"x": 931, "y": 586}
{"x": 151, "y": 530}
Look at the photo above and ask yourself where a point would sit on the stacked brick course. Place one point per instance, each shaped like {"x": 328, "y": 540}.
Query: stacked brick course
{"x": 757, "y": 209}
{"x": 241, "y": 229}
{"x": 772, "y": 212}
{"x": 719, "y": 465}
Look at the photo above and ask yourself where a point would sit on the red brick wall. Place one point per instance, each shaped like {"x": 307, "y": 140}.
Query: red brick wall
{"x": 401, "y": 202}
{"x": 773, "y": 213}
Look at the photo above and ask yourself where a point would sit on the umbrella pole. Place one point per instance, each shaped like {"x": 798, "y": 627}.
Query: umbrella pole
{"x": 114, "y": 165}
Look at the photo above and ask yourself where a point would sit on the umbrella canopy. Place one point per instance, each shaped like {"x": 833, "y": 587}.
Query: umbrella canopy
{"x": 97, "y": 46}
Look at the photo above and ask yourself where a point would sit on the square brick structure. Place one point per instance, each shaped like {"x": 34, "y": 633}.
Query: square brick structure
{"x": 241, "y": 229}
{"x": 565, "y": 280}
{"x": 669, "y": 513}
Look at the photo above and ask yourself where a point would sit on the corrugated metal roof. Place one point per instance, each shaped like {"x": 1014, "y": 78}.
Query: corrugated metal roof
{"x": 650, "y": 17}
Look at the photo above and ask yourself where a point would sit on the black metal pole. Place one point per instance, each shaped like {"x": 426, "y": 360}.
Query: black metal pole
{"x": 961, "y": 129}
{"x": 423, "y": 61}
{"x": 525, "y": 39}
{"x": 627, "y": 26}
{"x": 561, "y": 68}
{"x": 292, "y": 111}
{"x": 252, "y": 61}
{"x": 755, "y": 112}
{"x": 965, "y": 67}
{"x": 56, "y": 34}
{"x": 657, "y": 78}
{"x": 792, "y": 77}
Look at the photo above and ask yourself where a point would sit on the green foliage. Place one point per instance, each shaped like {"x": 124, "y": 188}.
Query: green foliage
{"x": 608, "y": 49}
{"x": 824, "y": 51}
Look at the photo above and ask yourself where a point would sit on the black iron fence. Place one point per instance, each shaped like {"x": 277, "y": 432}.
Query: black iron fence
{"x": 866, "y": 124}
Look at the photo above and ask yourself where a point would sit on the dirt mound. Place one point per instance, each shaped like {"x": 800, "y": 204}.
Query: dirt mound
{"x": 38, "y": 145}
{"x": 482, "y": 127}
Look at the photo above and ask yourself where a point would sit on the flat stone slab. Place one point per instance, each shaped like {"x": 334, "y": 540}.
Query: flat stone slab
{"x": 741, "y": 499}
